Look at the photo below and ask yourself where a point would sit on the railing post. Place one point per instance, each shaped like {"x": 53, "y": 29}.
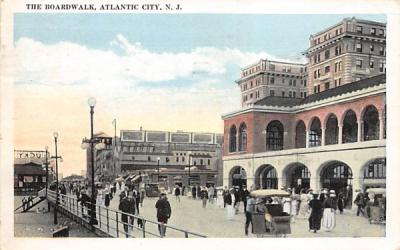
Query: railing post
{"x": 99, "y": 217}
{"x": 116, "y": 219}
{"x": 108, "y": 223}
{"x": 143, "y": 228}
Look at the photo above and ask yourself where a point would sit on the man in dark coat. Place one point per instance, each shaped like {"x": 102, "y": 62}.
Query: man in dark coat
{"x": 127, "y": 206}
{"x": 204, "y": 196}
{"x": 163, "y": 213}
{"x": 245, "y": 194}
{"x": 84, "y": 199}
{"x": 225, "y": 194}
{"x": 107, "y": 199}
{"x": 316, "y": 213}
{"x": 360, "y": 202}
{"x": 194, "y": 192}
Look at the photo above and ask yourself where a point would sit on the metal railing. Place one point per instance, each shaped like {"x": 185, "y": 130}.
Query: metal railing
{"x": 110, "y": 221}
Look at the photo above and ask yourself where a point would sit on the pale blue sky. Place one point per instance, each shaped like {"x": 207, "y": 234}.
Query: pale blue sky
{"x": 280, "y": 35}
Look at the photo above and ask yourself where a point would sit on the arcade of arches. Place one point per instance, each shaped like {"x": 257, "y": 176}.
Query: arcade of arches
{"x": 333, "y": 128}
{"x": 333, "y": 175}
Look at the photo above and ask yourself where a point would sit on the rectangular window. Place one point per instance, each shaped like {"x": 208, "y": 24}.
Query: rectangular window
{"x": 284, "y": 69}
{"x": 340, "y": 66}
{"x": 301, "y": 94}
{"x": 359, "y": 63}
{"x": 340, "y": 81}
{"x": 272, "y": 66}
{"x": 290, "y": 93}
{"x": 359, "y": 29}
{"x": 315, "y": 74}
{"x": 326, "y": 54}
{"x": 283, "y": 93}
{"x": 318, "y": 88}
{"x": 318, "y": 73}
{"x": 381, "y": 32}
{"x": 294, "y": 94}
{"x": 283, "y": 80}
{"x": 272, "y": 92}
{"x": 336, "y": 84}
{"x": 289, "y": 69}
{"x": 318, "y": 58}
{"x": 251, "y": 95}
{"x": 341, "y": 30}
{"x": 272, "y": 80}
{"x": 294, "y": 82}
{"x": 305, "y": 94}
{"x": 338, "y": 50}
{"x": 290, "y": 82}
{"x": 209, "y": 162}
{"x": 327, "y": 69}
{"x": 315, "y": 89}
{"x": 371, "y": 64}
{"x": 326, "y": 85}
{"x": 177, "y": 159}
{"x": 358, "y": 47}
{"x": 315, "y": 58}
{"x": 336, "y": 67}
{"x": 381, "y": 51}
{"x": 381, "y": 67}
{"x": 305, "y": 83}
{"x": 373, "y": 31}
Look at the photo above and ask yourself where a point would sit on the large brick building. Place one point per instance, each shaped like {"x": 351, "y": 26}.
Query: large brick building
{"x": 330, "y": 139}
{"x": 333, "y": 136}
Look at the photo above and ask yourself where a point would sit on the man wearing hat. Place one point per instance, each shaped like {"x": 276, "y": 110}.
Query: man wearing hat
{"x": 360, "y": 202}
{"x": 163, "y": 213}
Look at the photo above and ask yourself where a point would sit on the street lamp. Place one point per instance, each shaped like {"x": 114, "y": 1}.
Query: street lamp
{"x": 55, "y": 134}
{"x": 190, "y": 156}
{"x": 158, "y": 169}
{"x": 92, "y": 143}
{"x": 47, "y": 168}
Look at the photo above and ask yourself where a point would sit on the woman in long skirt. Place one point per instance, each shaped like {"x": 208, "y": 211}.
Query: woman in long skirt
{"x": 328, "y": 218}
{"x": 316, "y": 214}
{"x": 303, "y": 205}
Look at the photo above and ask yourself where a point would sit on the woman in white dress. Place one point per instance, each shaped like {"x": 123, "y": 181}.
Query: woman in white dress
{"x": 303, "y": 210}
{"x": 328, "y": 218}
{"x": 230, "y": 202}
{"x": 220, "y": 199}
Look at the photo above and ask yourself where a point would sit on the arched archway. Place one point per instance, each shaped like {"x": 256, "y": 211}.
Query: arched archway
{"x": 237, "y": 177}
{"x": 297, "y": 176}
{"x": 374, "y": 173}
{"x": 274, "y": 139}
{"x": 243, "y": 137}
{"x": 331, "y": 130}
{"x": 371, "y": 123}
{"x": 315, "y": 133}
{"x": 266, "y": 177}
{"x": 336, "y": 175}
{"x": 300, "y": 139}
{"x": 350, "y": 127}
{"x": 232, "y": 139}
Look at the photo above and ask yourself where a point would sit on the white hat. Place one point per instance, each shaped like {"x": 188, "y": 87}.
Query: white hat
{"x": 332, "y": 191}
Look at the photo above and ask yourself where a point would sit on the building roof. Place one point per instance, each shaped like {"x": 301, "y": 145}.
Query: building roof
{"x": 347, "y": 88}
{"x": 279, "y": 101}
{"x": 29, "y": 169}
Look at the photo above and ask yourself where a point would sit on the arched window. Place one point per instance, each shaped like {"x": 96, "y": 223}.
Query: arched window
{"x": 315, "y": 133}
{"x": 274, "y": 136}
{"x": 300, "y": 139}
{"x": 232, "y": 139}
{"x": 332, "y": 130}
{"x": 243, "y": 137}
{"x": 371, "y": 124}
{"x": 350, "y": 127}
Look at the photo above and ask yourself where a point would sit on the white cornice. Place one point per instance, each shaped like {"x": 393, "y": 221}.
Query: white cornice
{"x": 343, "y": 98}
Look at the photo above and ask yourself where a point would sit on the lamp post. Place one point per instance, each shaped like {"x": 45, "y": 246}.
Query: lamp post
{"x": 55, "y": 134}
{"x": 158, "y": 169}
{"x": 190, "y": 156}
{"x": 99, "y": 145}
{"x": 47, "y": 168}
